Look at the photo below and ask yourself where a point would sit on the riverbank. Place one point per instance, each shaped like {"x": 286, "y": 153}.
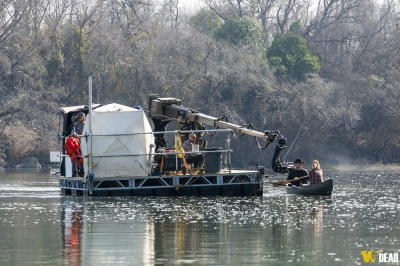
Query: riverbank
{"x": 363, "y": 167}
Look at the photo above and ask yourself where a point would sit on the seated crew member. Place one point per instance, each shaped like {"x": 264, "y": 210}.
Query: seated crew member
{"x": 296, "y": 173}
{"x": 192, "y": 158}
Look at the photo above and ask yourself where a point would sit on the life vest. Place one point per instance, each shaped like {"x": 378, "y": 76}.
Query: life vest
{"x": 73, "y": 149}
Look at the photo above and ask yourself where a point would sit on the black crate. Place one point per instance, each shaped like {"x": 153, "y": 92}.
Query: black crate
{"x": 170, "y": 163}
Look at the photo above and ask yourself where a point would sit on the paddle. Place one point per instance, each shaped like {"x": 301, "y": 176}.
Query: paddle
{"x": 284, "y": 182}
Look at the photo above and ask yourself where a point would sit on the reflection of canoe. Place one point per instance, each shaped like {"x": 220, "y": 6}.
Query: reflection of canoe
{"x": 324, "y": 188}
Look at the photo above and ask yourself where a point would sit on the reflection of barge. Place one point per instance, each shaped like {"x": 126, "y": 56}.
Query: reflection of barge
{"x": 121, "y": 156}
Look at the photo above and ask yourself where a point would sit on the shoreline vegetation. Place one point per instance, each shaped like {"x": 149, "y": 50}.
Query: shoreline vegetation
{"x": 371, "y": 167}
{"x": 326, "y": 76}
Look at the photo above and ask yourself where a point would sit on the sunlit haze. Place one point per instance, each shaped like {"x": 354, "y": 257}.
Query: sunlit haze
{"x": 191, "y": 3}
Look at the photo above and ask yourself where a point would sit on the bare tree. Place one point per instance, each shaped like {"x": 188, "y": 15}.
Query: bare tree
{"x": 264, "y": 11}
{"x": 310, "y": 112}
{"x": 283, "y": 14}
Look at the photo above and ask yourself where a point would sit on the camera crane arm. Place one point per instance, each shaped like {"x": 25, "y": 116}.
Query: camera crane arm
{"x": 171, "y": 108}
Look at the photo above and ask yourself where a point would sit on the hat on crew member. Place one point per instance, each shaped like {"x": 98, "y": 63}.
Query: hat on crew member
{"x": 298, "y": 161}
{"x": 81, "y": 115}
{"x": 192, "y": 135}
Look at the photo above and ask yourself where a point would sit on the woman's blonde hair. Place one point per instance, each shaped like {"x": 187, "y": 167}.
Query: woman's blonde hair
{"x": 315, "y": 161}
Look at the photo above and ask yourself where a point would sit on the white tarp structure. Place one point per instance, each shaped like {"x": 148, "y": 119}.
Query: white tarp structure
{"x": 117, "y": 139}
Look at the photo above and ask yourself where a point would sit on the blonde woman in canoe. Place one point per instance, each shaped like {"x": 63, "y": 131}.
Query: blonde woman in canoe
{"x": 316, "y": 174}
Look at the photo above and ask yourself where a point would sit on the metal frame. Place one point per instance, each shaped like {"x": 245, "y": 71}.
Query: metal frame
{"x": 77, "y": 186}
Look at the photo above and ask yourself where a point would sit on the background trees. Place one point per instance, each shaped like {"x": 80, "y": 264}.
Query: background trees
{"x": 325, "y": 73}
{"x": 290, "y": 57}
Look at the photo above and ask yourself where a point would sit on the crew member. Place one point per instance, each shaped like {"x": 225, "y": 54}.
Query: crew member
{"x": 159, "y": 126}
{"x": 77, "y": 132}
{"x": 74, "y": 119}
{"x": 194, "y": 157}
{"x": 78, "y": 126}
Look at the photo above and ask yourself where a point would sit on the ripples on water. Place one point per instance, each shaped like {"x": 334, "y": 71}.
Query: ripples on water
{"x": 275, "y": 229}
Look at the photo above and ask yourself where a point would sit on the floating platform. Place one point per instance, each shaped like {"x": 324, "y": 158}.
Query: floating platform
{"x": 235, "y": 183}
{"x": 119, "y": 154}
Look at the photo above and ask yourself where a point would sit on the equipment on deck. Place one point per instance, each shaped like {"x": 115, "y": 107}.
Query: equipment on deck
{"x": 167, "y": 109}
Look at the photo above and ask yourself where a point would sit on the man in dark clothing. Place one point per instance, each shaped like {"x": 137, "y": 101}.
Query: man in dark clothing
{"x": 78, "y": 126}
{"x": 69, "y": 132}
{"x": 159, "y": 126}
{"x": 297, "y": 173}
{"x": 77, "y": 132}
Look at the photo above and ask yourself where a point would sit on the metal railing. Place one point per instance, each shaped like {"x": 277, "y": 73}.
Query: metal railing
{"x": 226, "y": 152}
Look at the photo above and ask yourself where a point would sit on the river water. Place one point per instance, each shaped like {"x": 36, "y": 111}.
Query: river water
{"x": 38, "y": 226}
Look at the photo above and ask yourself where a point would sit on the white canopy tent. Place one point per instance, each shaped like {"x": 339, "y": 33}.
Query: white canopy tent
{"x": 117, "y": 140}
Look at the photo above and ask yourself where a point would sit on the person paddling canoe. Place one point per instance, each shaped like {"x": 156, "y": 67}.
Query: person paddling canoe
{"x": 297, "y": 173}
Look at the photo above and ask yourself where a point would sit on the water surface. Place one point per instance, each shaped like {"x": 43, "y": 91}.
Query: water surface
{"x": 41, "y": 227}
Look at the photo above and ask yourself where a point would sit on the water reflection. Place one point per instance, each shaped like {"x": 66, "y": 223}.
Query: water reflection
{"x": 188, "y": 230}
{"x": 72, "y": 221}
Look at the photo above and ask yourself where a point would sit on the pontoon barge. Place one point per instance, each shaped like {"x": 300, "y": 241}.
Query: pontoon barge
{"x": 118, "y": 147}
